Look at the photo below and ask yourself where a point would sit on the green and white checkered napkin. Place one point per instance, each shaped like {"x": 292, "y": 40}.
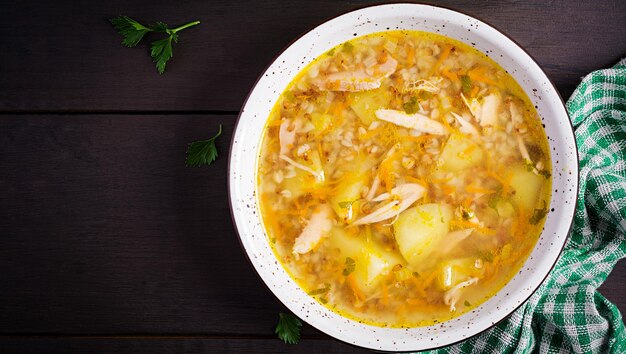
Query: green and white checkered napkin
{"x": 567, "y": 314}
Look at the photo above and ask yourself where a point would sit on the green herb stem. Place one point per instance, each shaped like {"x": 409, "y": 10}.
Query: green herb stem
{"x": 190, "y": 24}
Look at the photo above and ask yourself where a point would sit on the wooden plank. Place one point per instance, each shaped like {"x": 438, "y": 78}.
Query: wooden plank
{"x": 106, "y": 231}
{"x": 614, "y": 288}
{"x": 63, "y": 56}
{"x": 166, "y": 345}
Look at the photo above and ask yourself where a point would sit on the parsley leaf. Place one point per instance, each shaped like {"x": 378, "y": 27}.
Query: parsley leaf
{"x": 320, "y": 291}
{"x": 161, "y": 50}
{"x": 487, "y": 256}
{"x": 131, "y": 30}
{"x": 539, "y": 214}
{"x": 466, "y": 303}
{"x": 202, "y": 152}
{"x": 466, "y": 84}
{"x": 530, "y": 167}
{"x": 346, "y": 204}
{"x": 545, "y": 174}
{"x": 288, "y": 328}
{"x": 350, "y": 265}
{"x": 411, "y": 106}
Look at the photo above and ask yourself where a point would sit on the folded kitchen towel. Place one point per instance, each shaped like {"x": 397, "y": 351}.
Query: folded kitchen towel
{"x": 567, "y": 314}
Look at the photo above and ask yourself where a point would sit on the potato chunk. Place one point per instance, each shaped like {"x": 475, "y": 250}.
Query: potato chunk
{"x": 527, "y": 187}
{"x": 456, "y": 271}
{"x": 372, "y": 261}
{"x": 460, "y": 153}
{"x": 419, "y": 229}
{"x": 345, "y": 201}
{"x": 365, "y": 104}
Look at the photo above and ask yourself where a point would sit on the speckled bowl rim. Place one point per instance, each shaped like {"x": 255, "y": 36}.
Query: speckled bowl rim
{"x": 552, "y": 89}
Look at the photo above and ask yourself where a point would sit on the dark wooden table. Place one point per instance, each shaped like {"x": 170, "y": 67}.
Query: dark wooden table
{"x": 109, "y": 243}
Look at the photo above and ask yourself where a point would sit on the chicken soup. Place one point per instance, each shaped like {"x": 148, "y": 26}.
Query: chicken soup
{"x": 403, "y": 178}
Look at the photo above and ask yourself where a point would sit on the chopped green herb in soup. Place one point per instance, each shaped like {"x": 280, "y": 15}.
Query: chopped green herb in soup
{"x": 404, "y": 178}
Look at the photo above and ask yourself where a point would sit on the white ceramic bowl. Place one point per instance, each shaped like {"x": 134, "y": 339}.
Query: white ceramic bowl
{"x": 245, "y": 150}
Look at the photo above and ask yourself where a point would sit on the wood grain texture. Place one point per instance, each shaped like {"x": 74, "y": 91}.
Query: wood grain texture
{"x": 63, "y": 56}
{"x": 172, "y": 345}
{"x": 614, "y": 288}
{"x": 106, "y": 231}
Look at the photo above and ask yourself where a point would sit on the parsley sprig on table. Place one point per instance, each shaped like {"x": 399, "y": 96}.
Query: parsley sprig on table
{"x": 161, "y": 50}
{"x": 202, "y": 152}
{"x": 288, "y": 328}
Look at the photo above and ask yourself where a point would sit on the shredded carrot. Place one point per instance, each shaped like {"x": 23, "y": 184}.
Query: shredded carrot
{"x": 358, "y": 294}
{"x": 379, "y": 227}
{"x": 439, "y": 181}
{"x": 469, "y": 224}
{"x": 468, "y": 150}
{"x": 297, "y": 204}
{"x": 447, "y": 189}
{"x": 418, "y": 139}
{"x": 320, "y": 150}
{"x": 288, "y": 212}
{"x": 474, "y": 91}
{"x": 414, "y": 301}
{"x": 401, "y": 310}
{"x": 410, "y": 58}
{"x": 425, "y": 198}
{"x": 472, "y": 188}
{"x": 417, "y": 180}
{"x": 480, "y": 75}
{"x": 450, "y": 75}
{"x": 445, "y": 122}
{"x": 418, "y": 287}
{"x": 385, "y": 171}
{"x": 338, "y": 109}
{"x": 499, "y": 177}
{"x": 429, "y": 279}
{"x": 337, "y": 181}
{"x": 445, "y": 52}
{"x": 385, "y": 293}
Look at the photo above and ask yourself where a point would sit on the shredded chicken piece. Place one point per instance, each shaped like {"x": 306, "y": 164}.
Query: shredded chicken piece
{"x": 466, "y": 127}
{"x": 451, "y": 297}
{"x": 403, "y": 197}
{"x": 359, "y": 79}
{"x": 473, "y": 105}
{"x": 376, "y": 183}
{"x": 319, "y": 175}
{"x": 474, "y": 220}
{"x": 486, "y": 113}
{"x": 402, "y": 189}
{"x": 489, "y": 113}
{"x": 317, "y": 228}
{"x": 287, "y": 137}
{"x": 393, "y": 221}
{"x": 422, "y": 85}
{"x": 373, "y": 189}
{"x": 522, "y": 149}
{"x": 415, "y": 121}
{"x": 453, "y": 239}
{"x": 516, "y": 115}
{"x": 525, "y": 155}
